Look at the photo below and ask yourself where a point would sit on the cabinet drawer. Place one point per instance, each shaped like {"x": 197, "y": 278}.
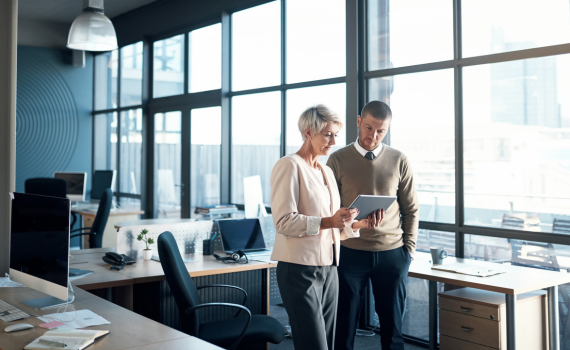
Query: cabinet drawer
{"x": 472, "y": 329}
{"x": 448, "y": 343}
{"x": 468, "y": 308}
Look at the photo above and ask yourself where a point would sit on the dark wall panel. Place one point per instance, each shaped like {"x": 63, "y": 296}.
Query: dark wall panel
{"x": 166, "y": 16}
{"x": 53, "y": 117}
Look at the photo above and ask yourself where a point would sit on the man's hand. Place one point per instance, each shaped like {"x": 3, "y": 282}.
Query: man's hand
{"x": 371, "y": 222}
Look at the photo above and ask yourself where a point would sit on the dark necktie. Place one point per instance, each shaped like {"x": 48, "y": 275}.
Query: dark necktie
{"x": 369, "y": 155}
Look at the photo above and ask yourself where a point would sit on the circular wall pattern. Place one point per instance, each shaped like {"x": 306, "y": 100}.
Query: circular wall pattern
{"x": 46, "y": 120}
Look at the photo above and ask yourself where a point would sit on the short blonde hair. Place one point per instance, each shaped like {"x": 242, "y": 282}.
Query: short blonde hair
{"x": 316, "y": 118}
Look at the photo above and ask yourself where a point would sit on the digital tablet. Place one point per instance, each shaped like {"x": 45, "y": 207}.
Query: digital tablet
{"x": 368, "y": 204}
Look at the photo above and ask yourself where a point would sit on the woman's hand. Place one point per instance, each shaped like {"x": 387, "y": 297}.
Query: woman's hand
{"x": 371, "y": 222}
{"x": 341, "y": 219}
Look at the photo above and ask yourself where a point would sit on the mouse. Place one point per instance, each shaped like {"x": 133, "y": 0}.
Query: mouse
{"x": 18, "y": 327}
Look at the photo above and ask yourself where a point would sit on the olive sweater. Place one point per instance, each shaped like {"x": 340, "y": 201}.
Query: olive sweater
{"x": 389, "y": 174}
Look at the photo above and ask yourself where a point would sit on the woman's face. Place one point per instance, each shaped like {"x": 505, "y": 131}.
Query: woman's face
{"x": 322, "y": 142}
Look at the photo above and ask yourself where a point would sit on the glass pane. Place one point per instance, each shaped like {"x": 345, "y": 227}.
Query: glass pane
{"x": 334, "y": 96}
{"x": 167, "y": 157}
{"x": 105, "y": 142}
{"x": 408, "y": 32}
{"x": 508, "y": 25}
{"x": 205, "y": 45}
{"x": 131, "y": 74}
{"x": 517, "y": 143}
{"x": 206, "y": 136}
{"x": 316, "y": 39}
{"x": 106, "y": 71}
{"x": 256, "y": 47}
{"x": 168, "y": 65}
{"x": 256, "y": 139}
{"x": 423, "y": 129}
{"x": 131, "y": 151}
{"x": 546, "y": 256}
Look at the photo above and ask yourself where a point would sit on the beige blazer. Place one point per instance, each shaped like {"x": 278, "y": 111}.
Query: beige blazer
{"x": 297, "y": 203}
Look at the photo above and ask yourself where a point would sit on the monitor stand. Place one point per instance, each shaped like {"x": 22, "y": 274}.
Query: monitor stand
{"x": 51, "y": 302}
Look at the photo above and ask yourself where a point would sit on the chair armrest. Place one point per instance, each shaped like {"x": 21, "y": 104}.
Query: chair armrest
{"x": 81, "y": 229}
{"x": 82, "y": 234}
{"x": 189, "y": 311}
{"x": 228, "y": 286}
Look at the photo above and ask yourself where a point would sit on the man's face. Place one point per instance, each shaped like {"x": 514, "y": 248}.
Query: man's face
{"x": 371, "y": 131}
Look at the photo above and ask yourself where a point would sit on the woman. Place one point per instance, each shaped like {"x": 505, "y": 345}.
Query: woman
{"x": 305, "y": 205}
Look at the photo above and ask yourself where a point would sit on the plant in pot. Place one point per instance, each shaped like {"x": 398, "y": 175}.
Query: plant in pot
{"x": 147, "y": 253}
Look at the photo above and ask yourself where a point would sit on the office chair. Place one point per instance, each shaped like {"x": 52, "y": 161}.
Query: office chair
{"x": 46, "y": 186}
{"x": 95, "y": 232}
{"x": 228, "y": 333}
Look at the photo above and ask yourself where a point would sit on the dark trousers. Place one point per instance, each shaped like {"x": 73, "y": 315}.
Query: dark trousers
{"x": 388, "y": 272}
{"x": 310, "y": 296}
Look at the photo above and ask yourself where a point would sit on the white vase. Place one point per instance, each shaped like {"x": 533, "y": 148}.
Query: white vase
{"x": 147, "y": 254}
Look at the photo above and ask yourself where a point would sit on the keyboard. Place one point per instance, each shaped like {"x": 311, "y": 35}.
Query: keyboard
{"x": 9, "y": 313}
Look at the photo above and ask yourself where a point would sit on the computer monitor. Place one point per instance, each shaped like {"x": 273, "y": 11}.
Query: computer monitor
{"x": 241, "y": 234}
{"x": 102, "y": 180}
{"x": 76, "y": 184}
{"x": 39, "y": 246}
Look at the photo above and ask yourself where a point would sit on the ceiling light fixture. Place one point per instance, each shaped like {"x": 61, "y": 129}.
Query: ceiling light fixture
{"x": 92, "y": 30}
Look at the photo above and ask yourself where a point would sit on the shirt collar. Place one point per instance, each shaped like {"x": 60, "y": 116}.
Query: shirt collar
{"x": 362, "y": 151}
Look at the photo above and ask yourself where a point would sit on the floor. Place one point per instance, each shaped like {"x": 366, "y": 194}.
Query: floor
{"x": 361, "y": 343}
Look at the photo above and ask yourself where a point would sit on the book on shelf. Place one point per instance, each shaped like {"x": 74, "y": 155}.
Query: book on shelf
{"x": 77, "y": 339}
{"x": 216, "y": 209}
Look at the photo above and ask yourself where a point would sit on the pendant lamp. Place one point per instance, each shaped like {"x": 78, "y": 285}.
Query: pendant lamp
{"x": 92, "y": 30}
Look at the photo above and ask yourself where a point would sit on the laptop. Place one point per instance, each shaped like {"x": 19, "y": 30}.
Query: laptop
{"x": 242, "y": 234}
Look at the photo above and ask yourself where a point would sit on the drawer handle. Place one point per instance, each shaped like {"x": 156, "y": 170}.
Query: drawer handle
{"x": 466, "y": 329}
{"x": 466, "y": 309}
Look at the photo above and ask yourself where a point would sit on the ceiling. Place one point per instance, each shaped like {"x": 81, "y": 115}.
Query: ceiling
{"x": 65, "y": 11}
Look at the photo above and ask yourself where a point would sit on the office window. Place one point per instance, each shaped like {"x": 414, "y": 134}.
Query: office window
{"x": 316, "y": 40}
{"x": 334, "y": 96}
{"x": 167, "y": 156}
{"x": 256, "y": 47}
{"x": 256, "y": 139}
{"x": 409, "y": 32}
{"x": 105, "y": 142}
{"x": 206, "y": 139}
{"x": 422, "y": 128}
{"x": 509, "y": 25}
{"x": 105, "y": 85}
{"x": 517, "y": 143}
{"x": 168, "y": 67}
{"x": 130, "y": 151}
{"x": 205, "y": 45}
{"x": 131, "y": 74}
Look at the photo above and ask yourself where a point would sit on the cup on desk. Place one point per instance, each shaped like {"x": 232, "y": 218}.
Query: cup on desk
{"x": 437, "y": 255}
{"x": 208, "y": 247}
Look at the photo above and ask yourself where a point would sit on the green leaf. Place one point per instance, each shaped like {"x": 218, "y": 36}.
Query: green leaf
{"x": 150, "y": 241}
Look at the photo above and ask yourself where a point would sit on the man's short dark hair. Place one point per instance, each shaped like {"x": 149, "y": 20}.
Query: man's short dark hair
{"x": 377, "y": 109}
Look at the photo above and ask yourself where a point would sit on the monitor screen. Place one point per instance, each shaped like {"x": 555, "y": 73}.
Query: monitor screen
{"x": 39, "y": 241}
{"x": 75, "y": 182}
{"x": 102, "y": 180}
{"x": 244, "y": 234}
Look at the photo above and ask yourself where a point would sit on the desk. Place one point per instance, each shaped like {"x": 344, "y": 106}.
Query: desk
{"x": 116, "y": 215}
{"x": 143, "y": 222}
{"x": 517, "y": 280}
{"x": 127, "y": 329}
{"x": 135, "y": 284}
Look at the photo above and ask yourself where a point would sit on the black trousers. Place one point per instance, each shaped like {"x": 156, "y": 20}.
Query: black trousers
{"x": 388, "y": 272}
{"x": 310, "y": 295}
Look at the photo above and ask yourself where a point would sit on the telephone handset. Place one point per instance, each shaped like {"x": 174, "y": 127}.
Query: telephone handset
{"x": 118, "y": 261}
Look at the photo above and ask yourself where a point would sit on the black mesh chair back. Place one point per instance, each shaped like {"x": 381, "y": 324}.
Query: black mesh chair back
{"x": 98, "y": 227}
{"x": 46, "y": 186}
{"x": 183, "y": 288}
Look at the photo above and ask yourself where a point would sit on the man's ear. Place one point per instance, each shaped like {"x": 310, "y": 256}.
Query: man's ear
{"x": 358, "y": 121}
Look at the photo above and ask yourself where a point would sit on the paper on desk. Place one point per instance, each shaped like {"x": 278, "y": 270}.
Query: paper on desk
{"x": 6, "y": 282}
{"x": 85, "y": 318}
{"x": 262, "y": 258}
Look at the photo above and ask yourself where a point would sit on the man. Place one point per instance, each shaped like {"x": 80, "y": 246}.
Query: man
{"x": 381, "y": 255}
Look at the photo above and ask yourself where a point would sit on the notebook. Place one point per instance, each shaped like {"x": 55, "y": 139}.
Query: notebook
{"x": 466, "y": 269}
{"x": 74, "y": 339}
